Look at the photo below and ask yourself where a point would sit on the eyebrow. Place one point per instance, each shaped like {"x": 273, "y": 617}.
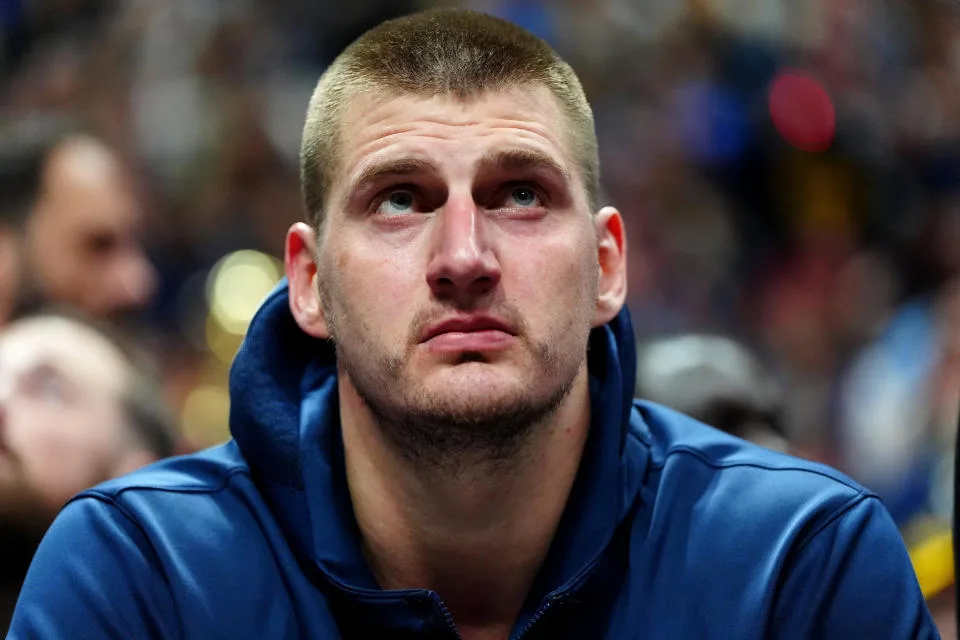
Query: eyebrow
{"x": 380, "y": 171}
{"x": 522, "y": 160}
{"x": 503, "y": 160}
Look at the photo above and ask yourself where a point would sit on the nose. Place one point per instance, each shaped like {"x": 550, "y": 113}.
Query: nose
{"x": 462, "y": 265}
{"x": 134, "y": 281}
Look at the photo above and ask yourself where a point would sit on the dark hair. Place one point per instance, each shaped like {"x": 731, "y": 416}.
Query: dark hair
{"x": 25, "y": 147}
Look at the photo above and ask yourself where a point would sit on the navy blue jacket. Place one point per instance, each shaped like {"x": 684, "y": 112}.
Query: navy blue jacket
{"x": 673, "y": 530}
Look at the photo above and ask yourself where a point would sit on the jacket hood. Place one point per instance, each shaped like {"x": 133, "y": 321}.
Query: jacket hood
{"x": 284, "y": 417}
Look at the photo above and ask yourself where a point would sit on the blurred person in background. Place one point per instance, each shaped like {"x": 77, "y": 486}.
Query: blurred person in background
{"x": 897, "y": 399}
{"x": 76, "y": 408}
{"x": 716, "y": 380}
{"x": 69, "y": 225}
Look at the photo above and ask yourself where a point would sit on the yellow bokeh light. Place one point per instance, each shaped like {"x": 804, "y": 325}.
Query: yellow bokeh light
{"x": 205, "y": 416}
{"x": 236, "y": 287}
{"x": 222, "y": 344}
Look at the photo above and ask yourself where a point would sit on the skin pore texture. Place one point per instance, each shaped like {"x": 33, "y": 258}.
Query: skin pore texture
{"x": 459, "y": 273}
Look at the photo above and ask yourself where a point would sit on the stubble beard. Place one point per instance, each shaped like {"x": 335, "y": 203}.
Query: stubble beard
{"x": 444, "y": 433}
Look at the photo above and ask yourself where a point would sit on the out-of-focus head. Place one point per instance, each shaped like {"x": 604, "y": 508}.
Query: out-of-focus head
{"x": 715, "y": 380}
{"x": 73, "y": 220}
{"x": 81, "y": 239}
{"x": 75, "y": 410}
{"x": 454, "y": 254}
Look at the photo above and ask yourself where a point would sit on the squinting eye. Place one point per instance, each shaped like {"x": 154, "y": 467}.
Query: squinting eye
{"x": 396, "y": 202}
{"x": 524, "y": 197}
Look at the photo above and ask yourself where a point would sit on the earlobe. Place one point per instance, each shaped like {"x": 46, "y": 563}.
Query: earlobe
{"x": 301, "y": 272}
{"x": 611, "y": 264}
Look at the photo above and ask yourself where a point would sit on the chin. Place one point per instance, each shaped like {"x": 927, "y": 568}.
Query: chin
{"x": 476, "y": 375}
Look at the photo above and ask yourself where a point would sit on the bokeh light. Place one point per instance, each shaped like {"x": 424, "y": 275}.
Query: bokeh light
{"x": 802, "y": 111}
{"x": 205, "y": 414}
{"x": 237, "y": 285}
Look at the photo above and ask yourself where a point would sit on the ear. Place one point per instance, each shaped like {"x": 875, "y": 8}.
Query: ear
{"x": 612, "y": 265}
{"x": 301, "y": 270}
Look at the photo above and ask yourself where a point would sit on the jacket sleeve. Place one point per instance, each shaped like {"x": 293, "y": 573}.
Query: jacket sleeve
{"x": 94, "y": 575}
{"x": 853, "y": 579}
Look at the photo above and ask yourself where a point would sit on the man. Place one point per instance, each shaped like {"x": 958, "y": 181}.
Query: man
{"x": 69, "y": 226}
{"x": 74, "y": 411}
{"x": 434, "y": 434}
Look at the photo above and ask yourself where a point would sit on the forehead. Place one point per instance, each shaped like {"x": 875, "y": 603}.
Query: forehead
{"x": 73, "y": 350}
{"x": 85, "y": 185}
{"x": 383, "y": 126}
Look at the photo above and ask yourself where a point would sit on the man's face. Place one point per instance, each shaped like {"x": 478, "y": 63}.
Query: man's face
{"x": 458, "y": 268}
{"x": 82, "y": 245}
{"x": 61, "y": 417}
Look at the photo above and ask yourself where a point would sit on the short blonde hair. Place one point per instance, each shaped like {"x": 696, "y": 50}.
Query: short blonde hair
{"x": 454, "y": 52}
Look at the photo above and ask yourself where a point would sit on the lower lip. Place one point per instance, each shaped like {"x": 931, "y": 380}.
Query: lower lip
{"x": 486, "y": 340}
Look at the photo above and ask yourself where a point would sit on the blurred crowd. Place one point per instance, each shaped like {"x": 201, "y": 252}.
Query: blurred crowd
{"x": 789, "y": 172}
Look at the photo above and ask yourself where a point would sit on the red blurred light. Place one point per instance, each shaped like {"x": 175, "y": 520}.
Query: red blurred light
{"x": 801, "y": 111}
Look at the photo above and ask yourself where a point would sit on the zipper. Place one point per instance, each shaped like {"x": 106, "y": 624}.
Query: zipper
{"x": 537, "y": 615}
{"x": 561, "y": 594}
{"x": 447, "y": 615}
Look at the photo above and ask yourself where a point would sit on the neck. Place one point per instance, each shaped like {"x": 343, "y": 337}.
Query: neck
{"x": 478, "y": 536}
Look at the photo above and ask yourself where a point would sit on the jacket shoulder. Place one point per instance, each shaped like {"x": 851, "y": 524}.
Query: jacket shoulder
{"x": 144, "y": 556}
{"x": 189, "y": 503}
{"x": 744, "y": 531}
{"x": 202, "y": 472}
{"x": 734, "y": 491}
{"x": 674, "y": 440}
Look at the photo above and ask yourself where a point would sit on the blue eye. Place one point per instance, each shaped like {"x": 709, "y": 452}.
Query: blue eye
{"x": 524, "y": 197}
{"x": 396, "y": 202}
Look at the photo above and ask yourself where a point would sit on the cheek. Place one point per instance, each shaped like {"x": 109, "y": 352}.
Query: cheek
{"x": 558, "y": 286}
{"x": 64, "y": 430}
{"x": 569, "y": 262}
{"x": 373, "y": 291}
{"x": 66, "y": 257}
{"x": 58, "y": 451}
